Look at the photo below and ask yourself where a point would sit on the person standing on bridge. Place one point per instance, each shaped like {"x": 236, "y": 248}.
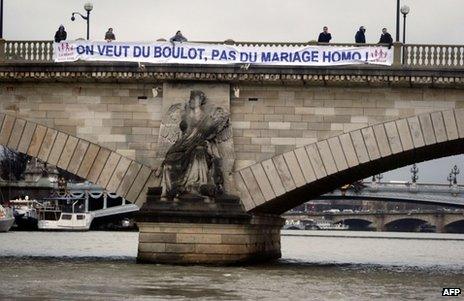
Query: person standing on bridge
{"x": 360, "y": 36}
{"x": 178, "y": 37}
{"x": 109, "y": 35}
{"x": 324, "y": 36}
{"x": 60, "y": 35}
{"x": 386, "y": 38}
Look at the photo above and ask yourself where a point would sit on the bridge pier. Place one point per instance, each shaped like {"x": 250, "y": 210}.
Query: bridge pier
{"x": 439, "y": 223}
{"x": 194, "y": 231}
{"x": 380, "y": 223}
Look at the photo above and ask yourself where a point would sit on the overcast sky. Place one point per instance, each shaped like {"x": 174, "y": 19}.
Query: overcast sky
{"x": 430, "y": 21}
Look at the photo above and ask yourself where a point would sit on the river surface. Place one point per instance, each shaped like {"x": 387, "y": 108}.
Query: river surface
{"x": 315, "y": 265}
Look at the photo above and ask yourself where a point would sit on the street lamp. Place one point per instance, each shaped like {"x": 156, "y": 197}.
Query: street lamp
{"x": 414, "y": 171}
{"x": 455, "y": 171}
{"x": 450, "y": 179}
{"x": 397, "y": 20}
{"x": 1, "y": 19}
{"x": 88, "y": 7}
{"x": 404, "y": 11}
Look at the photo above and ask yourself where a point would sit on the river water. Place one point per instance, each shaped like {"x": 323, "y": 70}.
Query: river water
{"x": 315, "y": 265}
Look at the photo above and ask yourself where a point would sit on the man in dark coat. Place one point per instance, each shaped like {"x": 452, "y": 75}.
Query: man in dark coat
{"x": 360, "y": 36}
{"x": 178, "y": 37}
{"x": 385, "y": 37}
{"x": 60, "y": 35}
{"x": 109, "y": 35}
{"x": 324, "y": 36}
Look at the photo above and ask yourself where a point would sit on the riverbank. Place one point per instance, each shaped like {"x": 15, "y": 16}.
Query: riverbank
{"x": 371, "y": 234}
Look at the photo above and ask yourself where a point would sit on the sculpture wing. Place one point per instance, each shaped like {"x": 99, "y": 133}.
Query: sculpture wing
{"x": 169, "y": 128}
{"x": 224, "y": 129}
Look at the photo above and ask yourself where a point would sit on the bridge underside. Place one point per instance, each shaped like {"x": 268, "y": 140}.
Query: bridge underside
{"x": 319, "y": 187}
{"x": 102, "y": 166}
{"x": 286, "y": 181}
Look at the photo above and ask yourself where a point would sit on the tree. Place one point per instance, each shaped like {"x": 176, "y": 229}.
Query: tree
{"x": 12, "y": 164}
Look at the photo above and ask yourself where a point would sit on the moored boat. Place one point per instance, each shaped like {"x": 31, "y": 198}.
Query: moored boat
{"x": 25, "y": 213}
{"x": 55, "y": 216}
{"x": 6, "y": 219}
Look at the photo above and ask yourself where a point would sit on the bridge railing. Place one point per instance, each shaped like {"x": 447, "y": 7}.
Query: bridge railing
{"x": 27, "y": 51}
{"x": 451, "y": 56}
{"x": 413, "y": 55}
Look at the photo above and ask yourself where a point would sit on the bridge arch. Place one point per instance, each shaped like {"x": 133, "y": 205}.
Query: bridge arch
{"x": 356, "y": 223}
{"x": 412, "y": 222}
{"x": 453, "y": 220}
{"x": 456, "y": 226}
{"x": 292, "y": 178}
{"x": 102, "y": 166}
{"x": 426, "y": 218}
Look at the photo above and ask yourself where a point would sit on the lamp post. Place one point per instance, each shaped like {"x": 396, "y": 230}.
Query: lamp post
{"x": 450, "y": 179}
{"x": 455, "y": 171}
{"x": 397, "y": 20}
{"x": 88, "y": 7}
{"x": 404, "y": 11}
{"x": 414, "y": 171}
{"x": 1, "y": 19}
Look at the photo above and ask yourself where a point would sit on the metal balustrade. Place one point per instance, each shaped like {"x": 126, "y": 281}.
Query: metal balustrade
{"x": 412, "y": 55}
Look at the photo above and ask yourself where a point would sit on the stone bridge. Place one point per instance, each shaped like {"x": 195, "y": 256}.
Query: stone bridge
{"x": 421, "y": 193}
{"x": 382, "y": 221}
{"x": 100, "y": 165}
{"x": 298, "y": 132}
{"x": 286, "y": 180}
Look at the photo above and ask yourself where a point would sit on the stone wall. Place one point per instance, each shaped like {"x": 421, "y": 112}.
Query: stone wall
{"x": 210, "y": 243}
{"x": 119, "y": 116}
{"x": 273, "y": 119}
{"x": 267, "y": 119}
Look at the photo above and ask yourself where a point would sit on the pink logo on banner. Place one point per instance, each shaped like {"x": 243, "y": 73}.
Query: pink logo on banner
{"x": 379, "y": 55}
{"x": 65, "y": 50}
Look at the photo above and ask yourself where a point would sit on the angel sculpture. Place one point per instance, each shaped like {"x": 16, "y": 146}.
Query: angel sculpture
{"x": 193, "y": 164}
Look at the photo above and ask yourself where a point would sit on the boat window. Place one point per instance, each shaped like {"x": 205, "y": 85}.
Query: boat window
{"x": 66, "y": 216}
{"x": 80, "y": 216}
{"x": 52, "y": 216}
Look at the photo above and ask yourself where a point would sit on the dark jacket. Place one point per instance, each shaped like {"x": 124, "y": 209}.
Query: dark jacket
{"x": 178, "y": 37}
{"x": 324, "y": 37}
{"x": 386, "y": 39}
{"x": 360, "y": 37}
{"x": 60, "y": 36}
{"x": 110, "y": 36}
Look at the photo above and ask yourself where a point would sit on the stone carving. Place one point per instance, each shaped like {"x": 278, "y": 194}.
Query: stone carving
{"x": 192, "y": 164}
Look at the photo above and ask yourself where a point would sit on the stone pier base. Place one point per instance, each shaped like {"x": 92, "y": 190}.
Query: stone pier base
{"x": 254, "y": 240}
{"x": 195, "y": 231}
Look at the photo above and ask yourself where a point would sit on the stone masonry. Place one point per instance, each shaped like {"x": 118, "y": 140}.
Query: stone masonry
{"x": 270, "y": 120}
{"x": 297, "y": 133}
{"x": 267, "y": 119}
{"x": 190, "y": 243}
{"x": 286, "y": 180}
{"x": 121, "y": 117}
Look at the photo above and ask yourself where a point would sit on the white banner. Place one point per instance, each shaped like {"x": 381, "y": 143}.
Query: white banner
{"x": 196, "y": 53}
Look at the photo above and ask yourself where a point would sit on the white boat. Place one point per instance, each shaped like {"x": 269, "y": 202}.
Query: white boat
{"x": 325, "y": 225}
{"x": 293, "y": 225}
{"x": 25, "y": 213}
{"x": 53, "y": 217}
{"x": 6, "y": 219}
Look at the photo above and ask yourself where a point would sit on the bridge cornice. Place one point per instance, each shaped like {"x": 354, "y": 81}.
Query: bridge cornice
{"x": 374, "y": 76}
